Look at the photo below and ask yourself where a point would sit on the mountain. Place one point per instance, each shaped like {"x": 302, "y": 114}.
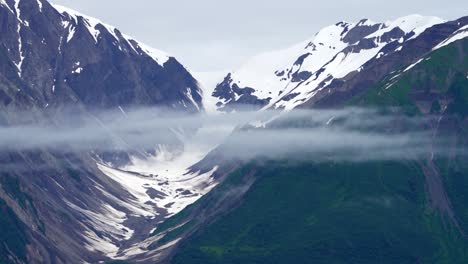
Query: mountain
{"x": 60, "y": 68}
{"x": 56, "y": 56}
{"x": 182, "y": 202}
{"x": 379, "y": 210}
{"x": 287, "y": 78}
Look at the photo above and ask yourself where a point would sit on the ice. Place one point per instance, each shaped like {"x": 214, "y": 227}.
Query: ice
{"x": 168, "y": 172}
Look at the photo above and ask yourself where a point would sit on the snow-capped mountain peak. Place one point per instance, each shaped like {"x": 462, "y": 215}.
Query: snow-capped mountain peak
{"x": 55, "y": 59}
{"x": 289, "y": 77}
{"x": 73, "y": 19}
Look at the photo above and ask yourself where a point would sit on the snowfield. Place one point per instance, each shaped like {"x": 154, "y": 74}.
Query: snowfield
{"x": 329, "y": 55}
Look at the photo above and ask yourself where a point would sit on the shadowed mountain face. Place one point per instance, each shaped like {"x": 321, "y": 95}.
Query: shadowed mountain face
{"x": 54, "y": 56}
{"x": 57, "y": 206}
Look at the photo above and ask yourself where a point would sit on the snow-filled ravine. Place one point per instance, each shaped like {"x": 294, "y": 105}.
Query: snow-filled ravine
{"x": 159, "y": 186}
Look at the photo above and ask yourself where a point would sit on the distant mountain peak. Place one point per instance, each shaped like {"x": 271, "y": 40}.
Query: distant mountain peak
{"x": 288, "y": 78}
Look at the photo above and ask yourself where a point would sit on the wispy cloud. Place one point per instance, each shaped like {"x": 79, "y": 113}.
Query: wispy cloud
{"x": 347, "y": 134}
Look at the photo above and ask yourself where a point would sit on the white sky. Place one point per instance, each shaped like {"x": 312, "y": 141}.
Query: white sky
{"x": 213, "y": 35}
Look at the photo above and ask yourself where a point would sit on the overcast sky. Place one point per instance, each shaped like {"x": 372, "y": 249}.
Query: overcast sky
{"x": 213, "y": 35}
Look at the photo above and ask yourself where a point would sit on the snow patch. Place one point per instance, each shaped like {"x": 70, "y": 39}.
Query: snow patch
{"x": 412, "y": 65}
{"x": 71, "y": 33}
{"x": 39, "y": 4}
{"x": 163, "y": 182}
{"x": 4, "y": 3}
{"x": 90, "y": 22}
{"x": 77, "y": 70}
{"x": 19, "y": 64}
{"x": 97, "y": 244}
{"x": 159, "y": 56}
{"x": 168, "y": 245}
{"x": 92, "y": 25}
{"x": 416, "y": 23}
{"x": 190, "y": 97}
{"x": 109, "y": 223}
{"x": 458, "y": 35}
{"x": 167, "y": 172}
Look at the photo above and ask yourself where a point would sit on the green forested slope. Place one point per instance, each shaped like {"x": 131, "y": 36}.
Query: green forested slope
{"x": 368, "y": 212}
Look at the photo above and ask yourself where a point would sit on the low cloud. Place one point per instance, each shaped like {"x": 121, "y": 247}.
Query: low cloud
{"x": 347, "y": 134}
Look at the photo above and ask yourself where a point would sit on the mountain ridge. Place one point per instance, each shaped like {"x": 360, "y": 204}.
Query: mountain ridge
{"x": 176, "y": 202}
{"x": 284, "y": 75}
{"x": 423, "y": 79}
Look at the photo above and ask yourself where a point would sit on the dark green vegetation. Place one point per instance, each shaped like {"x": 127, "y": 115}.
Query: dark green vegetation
{"x": 440, "y": 78}
{"x": 370, "y": 212}
{"x": 330, "y": 213}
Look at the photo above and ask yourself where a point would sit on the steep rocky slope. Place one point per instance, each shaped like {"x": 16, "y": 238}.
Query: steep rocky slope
{"x": 66, "y": 205}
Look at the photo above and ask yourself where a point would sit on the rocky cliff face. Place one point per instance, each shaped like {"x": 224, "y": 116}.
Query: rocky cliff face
{"x": 59, "y": 206}
{"x": 56, "y": 56}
